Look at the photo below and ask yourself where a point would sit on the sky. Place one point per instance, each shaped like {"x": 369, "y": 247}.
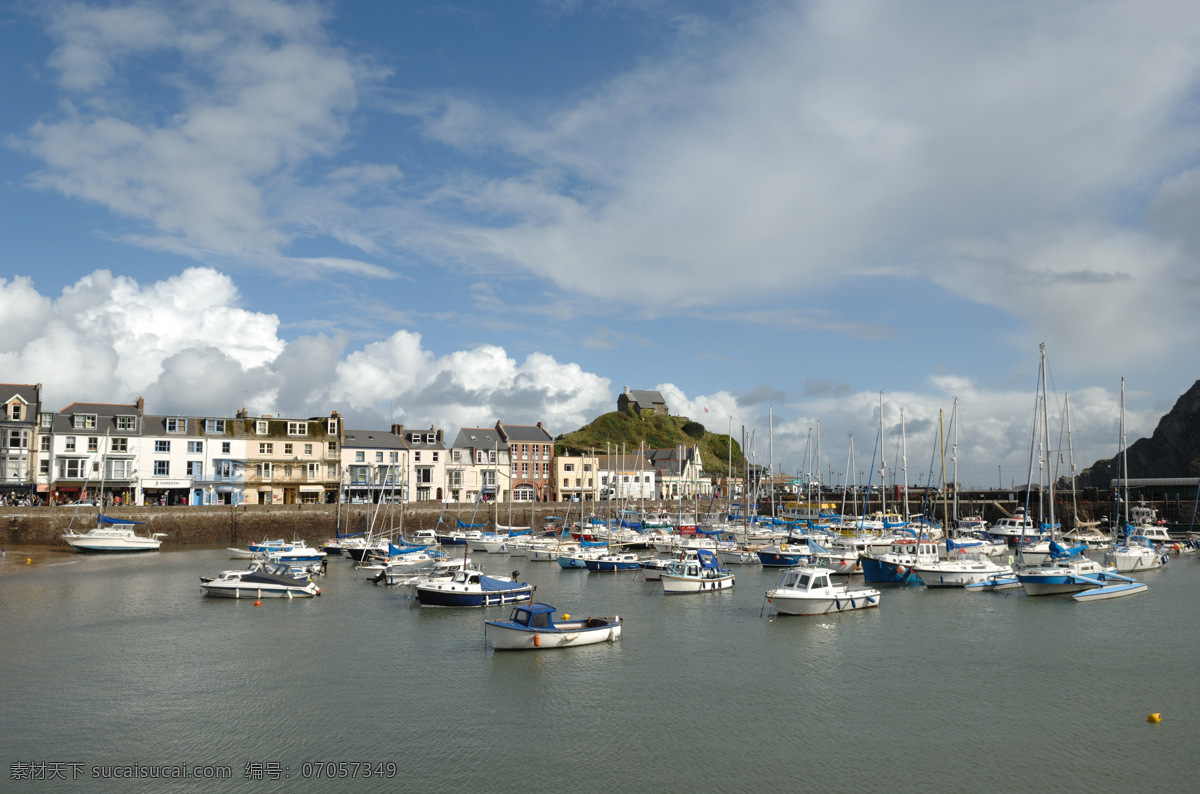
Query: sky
{"x": 456, "y": 213}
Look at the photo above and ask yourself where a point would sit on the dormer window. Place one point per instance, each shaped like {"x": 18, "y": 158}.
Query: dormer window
{"x": 332, "y": 426}
{"x": 297, "y": 428}
{"x": 127, "y": 423}
{"x": 176, "y": 425}
{"x": 16, "y": 411}
{"x": 84, "y": 421}
{"x": 214, "y": 426}
{"x": 260, "y": 427}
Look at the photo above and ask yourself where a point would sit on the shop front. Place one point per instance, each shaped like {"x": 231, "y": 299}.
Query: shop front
{"x": 166, "y": 492}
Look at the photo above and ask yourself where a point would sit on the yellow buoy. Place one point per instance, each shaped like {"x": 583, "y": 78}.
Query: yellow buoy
{"x": 28, "y": 561}
{"x": 566, "y": 617}
{"x": 1155, "y": 717}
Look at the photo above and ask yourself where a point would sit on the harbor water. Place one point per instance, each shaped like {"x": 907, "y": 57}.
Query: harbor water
{"x": 114, "y": 666}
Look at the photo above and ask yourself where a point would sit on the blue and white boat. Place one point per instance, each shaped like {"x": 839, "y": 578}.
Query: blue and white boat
{"x": 783, "y": 555}
{"x": 113, "y": 535}
{"x": 620, "y": 561}
{"x": 701, "y": 575}
{"x": 533, "y": 627}
{"x": 896, "y": 566}
{"x": 473, "y": 588}
{"x": 1067, "y": 571}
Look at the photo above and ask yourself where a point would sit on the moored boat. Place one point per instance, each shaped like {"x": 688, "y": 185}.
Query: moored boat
{"x": 472, "y": 588}
{"x": 113, "y": 535}
{"x": 806, "y": 590}
{"x": 260, "y": 580}
{"x": 533, "y": 627}
{"x": 701, "y": 575}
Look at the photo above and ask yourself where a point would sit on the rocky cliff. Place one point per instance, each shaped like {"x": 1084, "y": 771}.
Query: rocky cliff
{"x": 1172, "y": 451}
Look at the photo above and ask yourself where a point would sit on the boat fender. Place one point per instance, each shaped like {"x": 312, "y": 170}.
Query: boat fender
{"x": 537, "y": 640}
{"x": 1164, "y": 559}
{"x": 1155, "y": 717}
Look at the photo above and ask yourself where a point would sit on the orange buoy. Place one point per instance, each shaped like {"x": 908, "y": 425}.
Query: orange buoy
{"x": 258, "y": 603}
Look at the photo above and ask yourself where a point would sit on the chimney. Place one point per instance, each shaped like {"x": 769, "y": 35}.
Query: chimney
{"x": 397, "y": 429}
{"x": 141, "y": 405}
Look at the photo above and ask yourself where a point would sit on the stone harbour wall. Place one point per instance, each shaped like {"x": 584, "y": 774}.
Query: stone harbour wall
{"x": 237, "y": 526}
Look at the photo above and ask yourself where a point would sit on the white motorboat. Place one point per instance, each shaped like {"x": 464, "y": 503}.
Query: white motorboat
{"x": 113, "y": 535}
{"x": 806, "y": 590}
{"x": 534, "y": 627}
{"x": 960, "y": 571}
{"x": 260, "y": 580}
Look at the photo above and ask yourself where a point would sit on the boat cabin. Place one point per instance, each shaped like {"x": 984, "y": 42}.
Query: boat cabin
{"x": 535, "y": 616}
{"x": 806, "y": 579}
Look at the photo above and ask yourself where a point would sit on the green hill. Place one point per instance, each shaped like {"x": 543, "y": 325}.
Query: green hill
{"x": 651, "y": 431}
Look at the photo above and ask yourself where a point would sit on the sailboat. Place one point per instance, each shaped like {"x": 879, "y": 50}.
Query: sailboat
{"x": 1136, "y": 552}
{"x": 111, "y": 534}
{"x": 1068, "y": 570}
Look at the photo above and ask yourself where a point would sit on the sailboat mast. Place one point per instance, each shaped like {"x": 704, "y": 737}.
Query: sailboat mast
{"x": 904, "y": 463}
{"x": 1124, "y": 459}
{"x": 882, "y": 465}
{"x": 1046, "y": 434}
{"x": 954, "y": 458}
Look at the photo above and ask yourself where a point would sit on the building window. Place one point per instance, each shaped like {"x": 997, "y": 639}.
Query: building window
{"x": 263, "y": 470}
{"x": 214, "y": 425}
{"x": 266, "y": 448}
{"x": 417, "y": 456}
{"x": 195, "y": 447}
{"x": 332, "y": 424}
{"x": 162, "y": 446}
{"x": 162, "y": 468}
{"x": 44, "y": 467}
{"x": 69, "y": 443}
{"x": 394, "y": 457}
{"x": 126, "y": 423}
{"x": 119, "y": 444}
{"x": 195, "y": 468}
{"x": 84, "y": 421}
{"x": 287, "y": 449}
{"x": 16, "y": 411}
{"x": 45, "y": 443}
{"x": 93, "y": 443}
{"x": 360, "y": 457}
{"x": 314, "y": 471}
{"x": 524, "y": 470}
{"x": 379, "y": 457}
{"x": 332, "y": 447}
{"x": 260, "y": 427}
{"x": 223, "y": 469}
{"x": 226, "y": 446}
{"x": 176, "y": 425}
{"x": 297, "y": 428}
{"x": 47, "y": 420}
{"x": 568, "y": 467}
{"x": 308, "y": 449}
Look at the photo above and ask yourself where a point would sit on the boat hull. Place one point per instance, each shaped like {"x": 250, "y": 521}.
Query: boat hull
{"x": 444, "y": 596}
{"x": 884, "y": 572}
{"x": 824, "y": 605}
{"x": 244, "y": 590}
{"x": 507, "y": 637}
{"x": 99, "y": 544}
{"x": 674, "y": 584}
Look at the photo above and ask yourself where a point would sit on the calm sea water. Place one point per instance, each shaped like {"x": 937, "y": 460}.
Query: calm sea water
{"x": 120, "y": 661}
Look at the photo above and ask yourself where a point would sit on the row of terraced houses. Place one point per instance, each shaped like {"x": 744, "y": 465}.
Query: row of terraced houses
{"x": 121, "y": 454}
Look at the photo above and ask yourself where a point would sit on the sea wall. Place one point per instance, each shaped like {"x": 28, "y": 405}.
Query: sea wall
{"x": 236, "y": 526}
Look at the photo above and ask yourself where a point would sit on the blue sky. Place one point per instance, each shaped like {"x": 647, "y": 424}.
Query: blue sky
{"x": 453, "y": 213}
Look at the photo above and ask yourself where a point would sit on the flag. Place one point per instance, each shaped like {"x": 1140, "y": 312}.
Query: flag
{"x": 705, "y": 410}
